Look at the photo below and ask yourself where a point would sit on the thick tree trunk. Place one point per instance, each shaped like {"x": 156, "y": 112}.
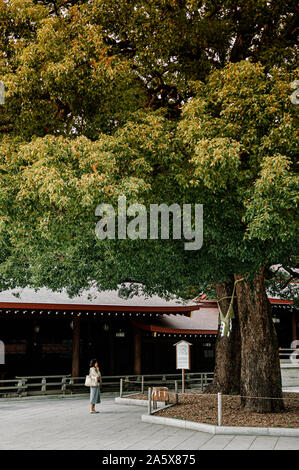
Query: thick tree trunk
{"x": 228, "y": 350}
{"x": 260, "y": 371}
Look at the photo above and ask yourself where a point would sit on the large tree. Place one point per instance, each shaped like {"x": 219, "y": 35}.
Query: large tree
{"x": 226, "y": 153}
{"x": 241, "y": 133}
{"x": 94, "y": 108}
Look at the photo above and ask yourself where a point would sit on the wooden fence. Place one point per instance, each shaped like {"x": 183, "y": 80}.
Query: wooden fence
{"x": 65, "y": 384}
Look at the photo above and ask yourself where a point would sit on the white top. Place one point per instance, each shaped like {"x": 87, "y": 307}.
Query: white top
{"x": 94, "y": 373}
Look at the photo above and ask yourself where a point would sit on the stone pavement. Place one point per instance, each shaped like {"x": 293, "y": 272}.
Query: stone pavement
{"x": 64, "y": 423}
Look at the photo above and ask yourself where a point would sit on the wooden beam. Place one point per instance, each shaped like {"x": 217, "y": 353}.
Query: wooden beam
{"x": 76, "y": 347}
{"x": 137, "y": 352}
{"x": 99, "y": 308}
{"x": 111, "y": 349}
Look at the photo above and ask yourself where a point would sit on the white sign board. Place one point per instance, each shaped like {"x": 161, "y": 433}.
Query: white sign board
{"x": 183, "y": 355}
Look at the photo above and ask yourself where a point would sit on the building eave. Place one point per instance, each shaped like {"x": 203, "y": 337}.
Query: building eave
{"x": 98, "y": 308}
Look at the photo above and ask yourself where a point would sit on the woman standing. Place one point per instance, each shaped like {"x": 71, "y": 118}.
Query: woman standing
{"x": 95, "y": 374}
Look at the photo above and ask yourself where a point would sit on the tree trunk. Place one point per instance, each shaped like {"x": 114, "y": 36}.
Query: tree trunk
{"x": 260, "y": 370}
{"x": 228, "y": 350}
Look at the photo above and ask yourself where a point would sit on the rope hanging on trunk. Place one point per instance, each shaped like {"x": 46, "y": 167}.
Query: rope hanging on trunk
{"x": 225, "y": 321}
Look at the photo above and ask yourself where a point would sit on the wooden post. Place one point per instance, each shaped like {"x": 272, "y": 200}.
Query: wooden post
{"x": 76, "y": 347}
{"x": 63, "y": 385}
{"x": 142, "y": 384}
{"x": 71, "y": 383}
{"x": 183, "y": 359}
{"x": 121, "y": 388}
{"x": 111, "y": 346}
{"x": 137, "y": 352}
{"x": 219, "y": 409}
{"x": 176, "y": 391}
{"x": 149, "y": 401}
{"x": 43, "y": 385}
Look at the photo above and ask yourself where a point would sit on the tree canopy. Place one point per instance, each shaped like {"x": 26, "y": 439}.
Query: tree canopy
{"x": 82, "y": 67}
{"x": 160, "y": 101}
{"x": 172, "y": 101}
{"x": 220, "y": 154}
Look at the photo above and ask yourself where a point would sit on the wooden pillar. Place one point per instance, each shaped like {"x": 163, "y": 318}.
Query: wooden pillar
{"x": 76, "y": 347}
{"x": 137, "y": 352}
{"x": 294, "y": 328}
{"x": 111, "y": 348}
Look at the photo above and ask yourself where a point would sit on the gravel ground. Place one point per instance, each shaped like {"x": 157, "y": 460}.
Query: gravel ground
{"x": 202, "y": 408}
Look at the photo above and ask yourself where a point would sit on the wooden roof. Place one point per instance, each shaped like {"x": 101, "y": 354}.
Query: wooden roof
{"x": 92, "y": 300}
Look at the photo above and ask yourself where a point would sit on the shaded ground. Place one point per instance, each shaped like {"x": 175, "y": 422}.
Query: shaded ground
{"x": 64, "y": 423}
{"x": 202, "y": 408}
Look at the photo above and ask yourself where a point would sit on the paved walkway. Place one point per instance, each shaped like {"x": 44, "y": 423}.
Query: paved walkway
{"x": 65, "y": 423}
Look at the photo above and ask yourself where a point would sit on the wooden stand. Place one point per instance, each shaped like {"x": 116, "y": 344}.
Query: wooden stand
{"x": 183, "y": 359}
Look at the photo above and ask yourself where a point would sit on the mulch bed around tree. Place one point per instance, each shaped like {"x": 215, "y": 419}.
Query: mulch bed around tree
{"x": 202, "y": 408}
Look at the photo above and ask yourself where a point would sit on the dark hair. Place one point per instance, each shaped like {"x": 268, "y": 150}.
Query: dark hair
{"x": 92, "y": 362}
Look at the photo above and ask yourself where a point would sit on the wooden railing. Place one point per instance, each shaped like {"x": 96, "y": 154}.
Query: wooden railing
{"x": 12, "y": 386}
{"x": 289, "y": 355}
{"x": 193, "y": 380}
{"x": 34, "y": 385}
{"x": 65, "y": 384}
